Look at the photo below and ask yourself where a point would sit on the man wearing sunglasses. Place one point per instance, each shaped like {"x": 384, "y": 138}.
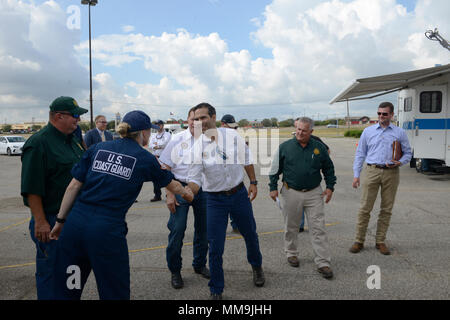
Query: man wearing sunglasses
{"x": 99, "y": 133}
{"x": 382, "y": 172}
{"x": 47, "y": 160}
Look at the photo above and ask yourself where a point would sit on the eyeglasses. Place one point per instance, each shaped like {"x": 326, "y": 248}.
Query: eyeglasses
{"x": 76, "y": 116}
{"x": 102, "y": 121}
{"x": 385, "y": 114}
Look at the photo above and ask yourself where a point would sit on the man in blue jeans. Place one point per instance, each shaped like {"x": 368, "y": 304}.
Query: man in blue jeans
{"x": 176, "y": 157}
{"x": 220, "y": 158}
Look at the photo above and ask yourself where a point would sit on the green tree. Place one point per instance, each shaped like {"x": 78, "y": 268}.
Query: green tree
{"x": 266, "y": 123}
{"x": 7, "y": 128}
{"x": 84, "y": 126}
{"x": 274, "y": 122}
{"x": 111, "y": 125}
{"x": 286, "y": 123}
{"x": 243, "y": 123}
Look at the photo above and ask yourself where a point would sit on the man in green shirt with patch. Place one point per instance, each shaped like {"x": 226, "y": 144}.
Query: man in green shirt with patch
{"x": 47, "y": 160}
{"x": 301, "y": 160}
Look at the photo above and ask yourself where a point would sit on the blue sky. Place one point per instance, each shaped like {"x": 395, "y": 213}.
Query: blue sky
{"x": 232, "y": 19}
{"x": 254, "y": 59}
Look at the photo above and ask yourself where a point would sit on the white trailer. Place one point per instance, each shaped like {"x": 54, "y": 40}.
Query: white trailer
{"x": 423, "y": 110}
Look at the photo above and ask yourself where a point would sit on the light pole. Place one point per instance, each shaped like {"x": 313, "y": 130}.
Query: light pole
{"x": 90, "y": 3}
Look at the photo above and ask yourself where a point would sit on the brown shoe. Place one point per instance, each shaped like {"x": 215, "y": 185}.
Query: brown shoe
{"x": 293, "y": 261}
{"x": 383, "y": 249}
{"x": 356, "y": 247}
{"x": 326, "y": 272}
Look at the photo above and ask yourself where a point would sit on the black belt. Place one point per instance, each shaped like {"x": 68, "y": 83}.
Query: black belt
{"x": 301, "y": 190}
{"x": 232, "y": 190}
{"x": 379, "y": 166}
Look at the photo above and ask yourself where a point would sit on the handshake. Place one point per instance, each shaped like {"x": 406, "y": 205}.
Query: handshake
{"x": 188, "y": 194}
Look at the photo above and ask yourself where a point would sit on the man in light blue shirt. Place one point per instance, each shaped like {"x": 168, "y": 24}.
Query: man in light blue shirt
{"x": 375, "y": 148}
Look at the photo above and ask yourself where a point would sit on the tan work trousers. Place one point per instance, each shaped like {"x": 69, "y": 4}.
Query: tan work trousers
{"x": 293, "y": 202}
{"x": 388, "y": 180}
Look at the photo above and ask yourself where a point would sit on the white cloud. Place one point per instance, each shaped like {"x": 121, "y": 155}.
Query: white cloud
{"x": 37, "y": 59}
{"x": 317, "y": 48}
{"x": 128, "y": 28}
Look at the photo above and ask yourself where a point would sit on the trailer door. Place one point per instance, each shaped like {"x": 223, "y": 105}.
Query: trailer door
{"x": 430, "y": 124}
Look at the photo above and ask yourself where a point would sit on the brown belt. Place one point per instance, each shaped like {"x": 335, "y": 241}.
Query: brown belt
{"x": 379, "y": 166}
{"x": 301, "y": 190}
{"x": 231, "y": 191}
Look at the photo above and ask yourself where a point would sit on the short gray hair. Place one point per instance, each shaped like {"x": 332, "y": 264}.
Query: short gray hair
{"x": 306, "y": 120}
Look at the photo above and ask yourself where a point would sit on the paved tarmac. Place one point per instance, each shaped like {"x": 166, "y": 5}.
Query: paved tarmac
{"x": 419, "y": 239}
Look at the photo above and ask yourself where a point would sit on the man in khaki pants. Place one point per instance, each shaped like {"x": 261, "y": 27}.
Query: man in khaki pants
{"x": 301, "y": 161}
{"x": 375, "y": 147}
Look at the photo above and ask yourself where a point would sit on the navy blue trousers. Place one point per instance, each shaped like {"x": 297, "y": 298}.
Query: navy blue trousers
{"x": 219, "y": 206}
{"x": 93, "y": 241}
{"x": 177, "y": 226}
{"x": 45, "y": 262}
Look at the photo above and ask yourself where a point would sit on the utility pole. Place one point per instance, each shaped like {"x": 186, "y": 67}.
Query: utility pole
{"x": 348, "y": 116}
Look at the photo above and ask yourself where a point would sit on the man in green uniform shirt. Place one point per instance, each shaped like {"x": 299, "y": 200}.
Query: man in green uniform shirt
{"x": 47, "y": 160}
{"x": 300, "y": 160}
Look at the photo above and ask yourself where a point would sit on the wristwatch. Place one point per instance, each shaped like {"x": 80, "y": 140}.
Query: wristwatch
{"x": 255, "y": 182}
{"x": 60, "y": 220}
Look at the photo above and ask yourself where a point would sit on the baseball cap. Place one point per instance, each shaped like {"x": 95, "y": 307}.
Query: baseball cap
{"x": 230, "y": 121}
{"x": 138, "y": 120}
{"x": 159, "y": 122}
{"x": 67, "y": 104}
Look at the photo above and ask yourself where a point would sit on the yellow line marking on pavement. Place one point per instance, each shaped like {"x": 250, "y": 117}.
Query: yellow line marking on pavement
{"x": 16, "y": 224}
{"x": 18, "y": 265}
{"x": 164, "y": 247}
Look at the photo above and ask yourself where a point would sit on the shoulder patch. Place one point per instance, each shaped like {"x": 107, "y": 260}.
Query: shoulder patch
{"x": 316, "y": 151}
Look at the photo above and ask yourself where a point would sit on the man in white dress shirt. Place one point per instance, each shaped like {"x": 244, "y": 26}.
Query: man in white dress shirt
{"x": 158, "y": 141}
{"x": 177, "y": 158}
{"x": 220, "y": 157}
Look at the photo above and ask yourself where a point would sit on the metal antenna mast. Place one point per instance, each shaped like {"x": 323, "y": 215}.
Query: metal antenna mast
{"x": 435, "y": 36}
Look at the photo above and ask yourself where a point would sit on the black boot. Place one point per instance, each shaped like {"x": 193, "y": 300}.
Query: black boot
{"x": 258, "y": 276}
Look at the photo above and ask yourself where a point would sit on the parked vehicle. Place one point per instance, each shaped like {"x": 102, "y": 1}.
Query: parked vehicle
{"x": 423, "y": 111}
{"x": 332, "y": 125}
{"x": 173, "y": 128}
{"x": 11, "y": 145}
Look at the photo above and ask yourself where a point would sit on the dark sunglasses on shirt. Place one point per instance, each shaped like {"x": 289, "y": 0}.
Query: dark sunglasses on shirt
{"x": 383, "y": 113}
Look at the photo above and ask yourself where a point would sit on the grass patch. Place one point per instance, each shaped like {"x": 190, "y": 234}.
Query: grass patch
{"x": 353, "y": 133}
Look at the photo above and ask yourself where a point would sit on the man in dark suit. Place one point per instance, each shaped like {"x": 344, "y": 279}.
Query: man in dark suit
{"x": 98, "y": 134}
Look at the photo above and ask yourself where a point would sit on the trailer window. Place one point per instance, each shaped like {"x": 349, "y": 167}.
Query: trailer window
{"x": 431, "y": 102}
{"x": 408, "y": 104}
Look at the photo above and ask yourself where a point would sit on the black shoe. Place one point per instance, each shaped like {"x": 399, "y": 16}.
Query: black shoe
{"x": 216, "y": 296}
{"x": 177, "y": 280}
{"x": 203, "y": 271}
{"x": 326, "y": 272}
{"x": 155, "y": 199}
{"x": 258, "y": 276}
{"x": 301, "y": 229}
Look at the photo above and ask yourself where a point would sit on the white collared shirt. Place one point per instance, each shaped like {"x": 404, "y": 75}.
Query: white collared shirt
{"x": 219, "y": 166}
{"x": 160, "y": 140}
{"x": 178, "y": 154}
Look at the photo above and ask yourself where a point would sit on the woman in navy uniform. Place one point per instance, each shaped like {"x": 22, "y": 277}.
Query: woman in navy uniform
{"x": 105, "y": 184}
